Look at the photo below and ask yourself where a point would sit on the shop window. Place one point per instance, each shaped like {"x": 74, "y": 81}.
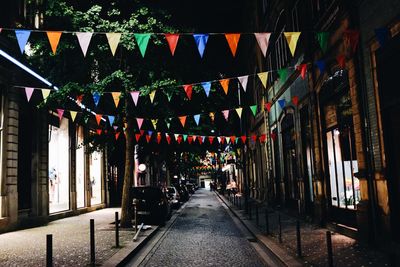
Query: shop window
{"x": 59, "y": 167}
{"x": 80, "y": 168}
{"x": 95, "y": 163}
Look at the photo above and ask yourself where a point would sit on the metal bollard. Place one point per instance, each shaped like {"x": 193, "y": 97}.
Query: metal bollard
{"x": 116, "y": 230}
{"x": 257, "y": 215}
{"x": 266, "y": 222}
{"x": 92, "y": 243}
{"x": 49, "y": 250}
{"x": 280, "y": 227}
{"x": 329, "y": 248}
{"x": 298, "y": 235}
{"x": 136, "y": 217}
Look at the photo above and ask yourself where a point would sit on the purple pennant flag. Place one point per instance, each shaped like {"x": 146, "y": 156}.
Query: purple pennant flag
{"x": 207, "y": 87}
{"x": 201, "y": 42}
{"x": 29, "y": 92}
{"x": 135, "y": 96}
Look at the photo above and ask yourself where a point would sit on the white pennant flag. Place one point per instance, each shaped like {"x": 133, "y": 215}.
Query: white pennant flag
{"x": 243, "y": 81}
{"x": 263, "y": 40}
{"x": 84, "y": 40}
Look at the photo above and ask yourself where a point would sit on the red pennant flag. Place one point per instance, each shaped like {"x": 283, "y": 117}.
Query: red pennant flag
{"x": 211, "y": 139}
{"x": 273, "y": 136}
{"x": 233, "y": 40}
{"x": 295, "y": 100}
{"x": 341, "y": 59}
{"x": 254, "y": 137}
{"x": 268, "y": 106}
{"x": 138, "y": 137}
{"x": 60, "y": 113}
{"x": 188, "y": 90}
{"x": 98, "y": 131}
{"x": 243, "y": 137}
{"x": 222, "y": 140}
{"x": 351, "y": 38}
{"x": 168, "y": 139}
{"x": 158, "y": 138}
{"x": 179, "y": 139}
{"x": 263, "y": 137}
{"x": 98, "y": 118}
{"x": 141, "y": 132}
{"x": 190, "y": 139}
{"x": 79, "y": 98}
{"x": 117, "y": 135}
{"x": 172, "y": 39}
{"x": 148, "y": 137}
{"x": 303, "y": 70}
{"x": 233, "y": 139}
{"x": 200, "y": 140}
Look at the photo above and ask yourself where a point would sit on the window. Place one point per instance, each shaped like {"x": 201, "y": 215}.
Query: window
{"x": 80, "y": 168}
{"x": 95, "y": 183}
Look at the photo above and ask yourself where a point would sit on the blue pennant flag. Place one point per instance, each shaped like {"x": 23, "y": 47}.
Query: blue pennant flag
{"x": 321, "y": 65}
{"x": 382, "y": 34}
{"x": 207, "y": 87}
{"x": 96, "y": 98}
{"x": 111, "y": 119}
{"x": 22, "y": 38}
{"x": 282, "y": 103}
{"x": 201, "y": 41}
{"x": 150, "y": 133}
{"x": 197, "y": 119}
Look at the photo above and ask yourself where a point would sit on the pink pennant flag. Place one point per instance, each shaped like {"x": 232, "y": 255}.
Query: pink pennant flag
{"x": 135, "y": 96}
{"x": 172, "y": 39}
{"x": 263, "y": 41}
{"x": 139, "y": 122}
{"x": 226, "y": 114}
{"x": 243, "y": 81}
{"x": 29, "y": 92}
{"x": 60, "y": 113}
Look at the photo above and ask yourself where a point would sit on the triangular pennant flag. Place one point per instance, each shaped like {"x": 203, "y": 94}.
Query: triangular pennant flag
{"x": 113, "y": 40}
{"x": 253, "y": 109}
{"x": 197, "y": 119}
{"x": 295, "y": 100}
{"x": 179, "y": 139}
{"x": 45, "y": 94}
{"x": 115, "y": 127}
{"x": 98, "y": 118}
{"x": 111, "y": 119}
{"x": 201, "y": 140}
{"x": 168, "y": 138}
{"x": 243, "y": 137}
{"x": 321, "y": 66}
{"x": 233, "y": 40}
{"x": 73, "y": 115}
{"x": 263, "y": 137}
{"x": 115, "y": 96}
{"x": 158, "y": 138}
{"x": 172, "y": 39}
{"x": 211, "y": 139}
{"x": 303, "y": 70}
{"x": 60, "y": 113}
{"x": 225, "y": 85}
{"x": 139, "y": 122}
{"x": 185, "y": 136}
{"x": 282, "y": 103}
{"x": 29, "y": 92}
{"x": 143, "y": 40}
{"x": 152, "y": 95}
{"x": 98, "y": 131}
{"x": 212, "y": 116}
{"x": 150, "y": 133}
{"x": 190, "y": 139}
{"x": 226, "y": 114}
{"x": 135, "y": 96}
{"x": 273, "y": 136}
{"x": 382, "y": 35}
{"x": 169, "y": 95}
{"x": 125, "y": 125}
{"x": 154, "y": 122}
{"x": 220, "y": 140}
{"x": 117, "y": 135}
{"x": 176, "y": 136}
{"x": 268, "y": 106}
{"x": 141, "y": 132}
{"x": 239, "y": 112}
{"x": 148, "y": 138}
{"x": 263, "y": 40}
{"x": 227, "y": 139}
{"x": 207, "y": 87}
{"x": 243, "y": 81}
{"x": 292, "y": 38}
{"x": 341, "y": 59}
{"x": 201, "y": 42}
{"x": 233, "y": 139}
{"x": 22, "y": 38}
{"x": 137, "y": 136}
{"x": 54, "y": 39}
{"x": 79, "y": 98}
{"x": 322, "y": 38}
{"x": 188, "y": 90}
{"x": 96, "y": 98}
{"x": 84, "y": 40}
{"x": 352, "y": 38}
{"x": 167, "y": 123}
{"x": 263, "y": 76}
{"x": 183, "y": 120}
{"x": 283, "y": 74}
{"x": 254, "y": 138}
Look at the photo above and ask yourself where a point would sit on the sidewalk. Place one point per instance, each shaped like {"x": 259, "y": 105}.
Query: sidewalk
{"x": 346, "y": 251}
{"x": 71, "y": 242}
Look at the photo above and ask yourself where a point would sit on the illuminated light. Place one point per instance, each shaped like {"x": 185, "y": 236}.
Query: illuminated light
{"x": 142, "y": 167}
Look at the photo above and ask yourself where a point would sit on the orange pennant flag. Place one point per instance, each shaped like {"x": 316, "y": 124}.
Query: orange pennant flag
{"x": 172, "y": 40}
{"x": 233, "y": 40}
{"x": 98, "y": 118}
{"x": 225, "y": 85}
{"x": 115, "y": 96}
{"x": 54, "y": 39}
{"x": 183, "y": 120}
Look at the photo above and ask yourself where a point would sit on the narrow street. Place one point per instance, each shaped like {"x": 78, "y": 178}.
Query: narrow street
{"x": 203, "y": 235}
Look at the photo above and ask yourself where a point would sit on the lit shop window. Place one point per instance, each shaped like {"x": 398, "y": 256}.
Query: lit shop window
{"x": 95, "y": 161}
{"x": 59, "y": 167}
{"x": 80, "y": 168}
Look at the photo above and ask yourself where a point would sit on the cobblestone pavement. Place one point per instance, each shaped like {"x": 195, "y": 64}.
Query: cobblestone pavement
{"x": 203, "y": 235}
{"x": 346, "y": 251}
{"x": 70, "y": 241}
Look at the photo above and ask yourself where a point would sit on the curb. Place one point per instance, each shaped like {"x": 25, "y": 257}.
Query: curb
{"x": 273, "y": 250}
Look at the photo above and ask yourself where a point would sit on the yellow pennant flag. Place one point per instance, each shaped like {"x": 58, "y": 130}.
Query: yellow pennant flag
{"x": 115, "y": 96}
{"x": 152, "y": 95}
{"x": 73, "y": 115}
{"x": 54, "y": 39}
{"x": 212, "y": 116}
{"x": 225, "y": 85}
{"x": 113, "y": 40}
{"x": 292, "y": 38}
{"x": 239, "y": 112}
{"x": 154, "y": 122}
{"x": 45, "y": 93}
{"x": 263, "y": 76}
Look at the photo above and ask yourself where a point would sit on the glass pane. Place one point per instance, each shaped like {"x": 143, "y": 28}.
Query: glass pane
{"x": 95, "y": 177}
{"x": 309, "y": 172}
{"x": 339, "y": 170}
{"x": 59, "y": 167}
{"x": 332, "y": 172}
{"x": 80, "y": 169}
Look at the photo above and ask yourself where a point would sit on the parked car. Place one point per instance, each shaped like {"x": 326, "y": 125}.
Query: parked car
{"x": 173, "y": 196}
{"x": 152, "y": 205}
{"x": 190, "y": 188}
{"x": 183, "y": 192}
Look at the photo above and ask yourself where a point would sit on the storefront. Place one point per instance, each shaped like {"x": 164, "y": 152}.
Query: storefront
{"x": 96, "y": 177}
{"x": 80, "y": 168}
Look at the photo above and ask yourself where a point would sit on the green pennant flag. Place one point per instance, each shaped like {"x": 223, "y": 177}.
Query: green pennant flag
{"x": 185, "y": 136}
{"x": 168, "y": 123}
{"x": 254, "y": 109}
{"x": 142, "y": 40}
{"x": 322, "y": 38}
{"x": 169, "y": 96}
{"x": 283, "y": 74}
